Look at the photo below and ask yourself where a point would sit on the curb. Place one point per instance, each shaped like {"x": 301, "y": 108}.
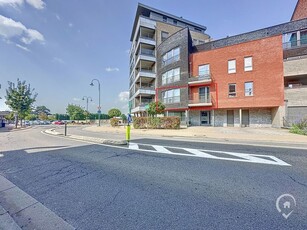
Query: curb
{"x": 86, "y": 138}
{"x": 21, "y": 211}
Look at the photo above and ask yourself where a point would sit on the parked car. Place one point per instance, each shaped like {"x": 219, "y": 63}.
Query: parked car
{"x": 58, "y": 123}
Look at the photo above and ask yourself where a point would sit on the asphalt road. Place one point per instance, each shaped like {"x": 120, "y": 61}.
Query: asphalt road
{"x": 99, "y": 187}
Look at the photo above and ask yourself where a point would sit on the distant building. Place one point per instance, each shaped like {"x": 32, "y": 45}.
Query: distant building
{"x": 151, "y": 27}
{"x": 256, "y": 79}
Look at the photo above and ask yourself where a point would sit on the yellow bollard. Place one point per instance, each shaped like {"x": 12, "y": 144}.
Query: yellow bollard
{"x": 128, "y": 133}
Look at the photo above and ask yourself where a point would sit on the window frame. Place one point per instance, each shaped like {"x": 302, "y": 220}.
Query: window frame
{"x": 205, "y": 74}
{"x": 248, "y": 68}
{"x": 249, "y": 94}
{"x": 171, "y": 96}
{"x": 170, "y": 57}
{"x": 232, "y": 94}
{"x": 169, "y": 77}
{"x": 232, "y": 70}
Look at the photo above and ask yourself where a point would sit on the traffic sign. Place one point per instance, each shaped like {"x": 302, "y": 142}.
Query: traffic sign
{"x": 99, "y": 111}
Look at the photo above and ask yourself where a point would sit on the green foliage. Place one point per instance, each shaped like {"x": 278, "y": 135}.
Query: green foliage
{"x": 42, "y": 109}
{"x": 155, "y": 108}
{"x": 61, "y": 117}
{"x": 124, "y": 117}
{"x": 20, "y": 98}
{"x": 43, "y": 116}
{"x": 75, "y": 112}
{"x": 10, "y": 117}
{"x": 31, "y": 117}
{"x": 114, "y": 122}
{"x": 300, "y": 127}
{"x": 114, "y": 113}
{"x": 156, "y": 122}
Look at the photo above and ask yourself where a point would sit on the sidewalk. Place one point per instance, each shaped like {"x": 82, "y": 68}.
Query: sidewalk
{"x": 226, "y": 134}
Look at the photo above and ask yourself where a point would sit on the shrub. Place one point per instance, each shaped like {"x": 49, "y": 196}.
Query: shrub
{"x": 300, "y": 127}
{"x": 114, "y": 122}
{"x": 156, "y": 122}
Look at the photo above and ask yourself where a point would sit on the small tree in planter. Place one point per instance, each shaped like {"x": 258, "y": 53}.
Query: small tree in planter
{"x": 155, "y": 108}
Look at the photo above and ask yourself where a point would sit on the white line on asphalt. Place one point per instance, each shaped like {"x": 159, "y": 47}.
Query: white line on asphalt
{"x": 1, "y": 155}
{"x": 247, "y": 158}
{"x": 161, "y": 149}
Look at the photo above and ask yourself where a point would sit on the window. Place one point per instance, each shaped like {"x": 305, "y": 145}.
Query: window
{"x": 204, "y": 70}
{"x": 164, "y": 36}
{"x": 231, "y": 66}
{"x": 248, "y": 64}
{"x": 171, "y": 56}
{"x": 171, "y": 76}
{"x": 171, "y": 96}
{"x": 232, "y": 90}
{"x": 249, "y": 88}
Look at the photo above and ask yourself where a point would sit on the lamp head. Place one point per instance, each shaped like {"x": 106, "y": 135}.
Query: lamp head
{"x": 92, "y": 84}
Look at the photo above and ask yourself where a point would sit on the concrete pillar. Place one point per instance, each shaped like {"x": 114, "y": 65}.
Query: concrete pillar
{"x": 298, "y": 37}
{"x": 212, "y": 115}
{"x": 187, "y": 117}
{"x": 240, "y": 114}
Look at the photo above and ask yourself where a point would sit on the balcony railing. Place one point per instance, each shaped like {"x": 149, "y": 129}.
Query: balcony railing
{"x": 147, "y": 52}
{"x": 148, "y": 37}
{"x": 295, "y": 44}
{"x": 206, "y": 77}
{"x": 201, "y": 100}
{"x": 145, "y": 88}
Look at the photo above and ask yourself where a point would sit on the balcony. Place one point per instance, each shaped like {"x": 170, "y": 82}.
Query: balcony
{"x": 146, "y": 39}
{"x": 145, "y": 91}
{"x": 201, "y": 101}
{"x": 140, "y": 107}
{"x": 146, "y": 55}
{"x": 202, "y": 79}
{"x": 145, "y": 73}
{"x": 295, "y": 44}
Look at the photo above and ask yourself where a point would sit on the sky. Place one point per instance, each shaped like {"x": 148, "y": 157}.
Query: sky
{"x": 59, "y": 46}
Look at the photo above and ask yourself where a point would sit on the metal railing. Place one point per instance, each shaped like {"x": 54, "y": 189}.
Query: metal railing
{"x": 295, "y": 44}
{"x": 148, "y": 37}
{"x": 200, "y": 78}
{"x": 147, "y": 52}
{"x": 202, "y": 99}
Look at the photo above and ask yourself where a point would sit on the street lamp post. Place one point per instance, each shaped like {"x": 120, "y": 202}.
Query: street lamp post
{"x": 99, "y": 107}
{"x": 85, "y": 97}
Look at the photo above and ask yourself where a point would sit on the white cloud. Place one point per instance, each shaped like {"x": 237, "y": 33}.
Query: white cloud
{"x": 37, "y": 4}
{"x": 109, "y": 69}
{"x": 123, "y": 96}
{"x": 76, "y": 99}
{"x": 59, "y": 60}
{"x": 58, "y": 17}
{"x": 10, "y": 29}
{"x": 12, "y": 3}
{"x": 70, "y": 25}
{"x": 23, "y": 48}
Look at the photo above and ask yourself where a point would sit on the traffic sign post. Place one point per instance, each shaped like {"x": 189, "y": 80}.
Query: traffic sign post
{"x": 128, "y": 128}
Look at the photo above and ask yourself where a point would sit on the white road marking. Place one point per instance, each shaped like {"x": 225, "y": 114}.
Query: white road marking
{"x": 161, "y": 149}
{"x": 239, "y": 157}
{"x": 1, "y": 155}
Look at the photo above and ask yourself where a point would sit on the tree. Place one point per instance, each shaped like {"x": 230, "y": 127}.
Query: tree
{"x": 114, "y": 113}
{"x": 42, "y": 109}
{"x": 31, "y": 117}
{"x": 10, "y": 117}
{"x": 124, "y": 118}
{"x": 20, "y": 98}
{"x": 43, "y": 116}
{"x": 75, "y": 112}
{"x": 155, "y": 108}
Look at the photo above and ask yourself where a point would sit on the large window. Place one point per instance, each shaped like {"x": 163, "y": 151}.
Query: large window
{"x": 231, "y": 66}
{"x": 171, "y": 96}
{"x": 171, "y": 56}
{"x": 204, "y": 70}
{"x": 248, "y": 64}
{"x": 232, "y": 90}
{"x": 249, "y": 88}
{"x": 171, "y": 76}
{"x": 164, "y": 36}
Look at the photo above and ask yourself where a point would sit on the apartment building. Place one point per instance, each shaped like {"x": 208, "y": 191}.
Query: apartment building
{"x": 152, "y": 27}
{"x": 235, "y": 81}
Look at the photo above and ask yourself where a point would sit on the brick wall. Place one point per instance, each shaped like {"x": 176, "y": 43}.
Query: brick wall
{"x": 267, "y": 73}
{"x": 300, "y": 10}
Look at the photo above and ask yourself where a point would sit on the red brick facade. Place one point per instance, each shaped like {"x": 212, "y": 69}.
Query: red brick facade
{"x": 266, "y": 75}
{"x": 300, "y": 11}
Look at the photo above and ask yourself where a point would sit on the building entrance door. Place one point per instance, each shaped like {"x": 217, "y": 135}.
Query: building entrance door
{"x": 230, "y": 118}
{"x": 245, "y": 118}
{"x": 204, "y": 117}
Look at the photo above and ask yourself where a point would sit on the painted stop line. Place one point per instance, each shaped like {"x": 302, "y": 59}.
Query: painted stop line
{"x": 210, "y": 154}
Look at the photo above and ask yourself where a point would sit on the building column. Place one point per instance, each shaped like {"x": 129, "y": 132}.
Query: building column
{"x": 298, "y": 38}
{"x": 187, "y": 117}
{"x": 240, "y": 115}
{"x": 213, "y": 118}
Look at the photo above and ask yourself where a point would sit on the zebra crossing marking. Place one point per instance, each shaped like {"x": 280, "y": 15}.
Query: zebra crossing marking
{"x": 231, "y": 156}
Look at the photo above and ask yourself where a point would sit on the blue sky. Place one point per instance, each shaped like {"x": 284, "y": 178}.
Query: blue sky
{"x": 59, "y": 46}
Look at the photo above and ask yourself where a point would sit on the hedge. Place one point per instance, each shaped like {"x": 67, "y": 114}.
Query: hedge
{"x": 156, "y": 122}
{"x": 114, "y": 122}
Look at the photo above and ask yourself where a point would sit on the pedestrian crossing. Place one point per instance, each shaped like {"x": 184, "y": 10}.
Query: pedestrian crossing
{"x": 209, "y": 154}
